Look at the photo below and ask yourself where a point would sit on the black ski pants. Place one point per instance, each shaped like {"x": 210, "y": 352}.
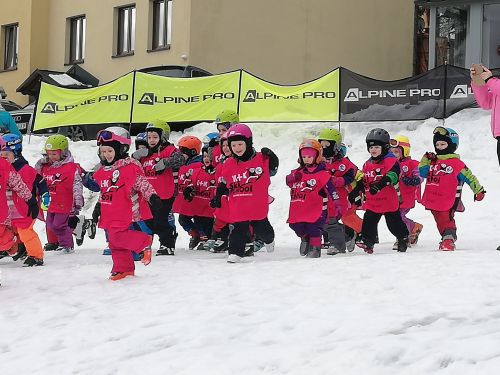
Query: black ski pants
{"x": 161, "y": 227}
{"x": 394, "y": 222}
{"x": 239, "y": 235}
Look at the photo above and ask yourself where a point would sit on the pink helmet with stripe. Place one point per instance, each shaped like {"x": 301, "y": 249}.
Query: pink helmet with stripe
{"x": 239, "y": 131}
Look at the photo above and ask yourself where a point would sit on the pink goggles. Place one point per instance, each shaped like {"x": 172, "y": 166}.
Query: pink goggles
{"x": 107, "y": 136}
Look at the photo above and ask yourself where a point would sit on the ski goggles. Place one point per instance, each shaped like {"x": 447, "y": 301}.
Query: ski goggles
{"x": 440, "y": 130}
{"x": 108, "y": 136}
{"x": 396, "y": 143}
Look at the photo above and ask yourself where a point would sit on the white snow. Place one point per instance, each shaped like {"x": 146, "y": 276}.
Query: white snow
{"x": 420, "y": 312}
{"x": 66, "y": 80}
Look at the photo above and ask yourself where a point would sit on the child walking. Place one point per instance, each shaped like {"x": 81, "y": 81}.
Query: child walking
{"x": 409, "y": 185}
{"x": 245, "y": 180}
{"x": 381, "y": 175}
{"x": 64, "y": 182}
{"x": 311, "y": 189}
{"x": 22, "y": 223}
{"x": 158, "y": 161}
{"x": 445, "y": 174}
{"x": 123, "y": 202}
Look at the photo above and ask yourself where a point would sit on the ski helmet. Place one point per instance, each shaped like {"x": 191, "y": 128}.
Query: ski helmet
{"x": 190, "y": 145}
{"x": 116, "y": 137}
{"x": 311, "y": 144}
{"x": 378, "y": 137}
{"x": 13, "y": 143}
{"x": 57, "y": 142}
{"x": 334, "y": 137}
{"x": 447, "y": 135}
{"x": 241, "y": 132}
{"x": 161, "y": 127}
{"x": 403, "y": 143}
{"x": 141, "y": 140}
{"x": 210, "y": 136}
{"x": 227, "y": 118}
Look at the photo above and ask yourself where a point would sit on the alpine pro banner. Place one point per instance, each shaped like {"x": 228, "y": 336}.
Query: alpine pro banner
{"x": 415, "y": 98}
{"x": 184, "y": 99}
{"x": 109, "y": 103}
{"x": 313, "y": 101}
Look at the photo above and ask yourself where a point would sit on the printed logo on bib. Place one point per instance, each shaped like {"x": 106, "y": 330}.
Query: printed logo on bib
{"x": 53, "y": 180}
{"x": 302, "y": 188}
{"x": 242, "y": 182}
{"x": 405, "y": 168}
{"x": 437, "y": 170}
{"x": 342, "y": 167}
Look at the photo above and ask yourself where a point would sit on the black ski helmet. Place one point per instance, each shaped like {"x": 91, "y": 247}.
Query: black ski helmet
{"x": 378, "y": 137}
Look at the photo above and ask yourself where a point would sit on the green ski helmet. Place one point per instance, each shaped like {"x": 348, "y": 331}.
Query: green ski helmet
{"x": 334, "y": 137}
{"x": 161, "y": 127}
{"x": 227, "y": 118}
{"x": 56, "y": 142}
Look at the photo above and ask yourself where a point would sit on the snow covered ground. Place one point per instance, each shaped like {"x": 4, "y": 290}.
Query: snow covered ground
{"x": 420, "y": 312}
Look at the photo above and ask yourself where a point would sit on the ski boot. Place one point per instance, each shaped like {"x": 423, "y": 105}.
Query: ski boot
{"x": 304, "y": 246}
{"x": 417, "y": 228}
{"x": 203, "y": 243}
{"x": 325, "y": 245}
{"x": 145, "y": 255}
{"x": 447, "y": 244}
{"x": 3, "y": 254}
{"x": 249, "y": 250}
{"x": 233, "y": 258}
{"x": 21, "y": 253}
{"x": 350, "y": 244}
{"x": 314, "y": 252}
{"x": 66, "y": 250}
{"x": 332, "y": 250}
{"x": 220, "y": 246}
{"x": 396, "y": 245}
{"x": 33, "y": 262}
{"x": 366, "y": 246}
{"x": 121, "y": 275}
{"x": 50, "y": 246}
{"x": 164, "y": 250}
{"x": 194, "y": 240}
{"x": 258, "y": 244}
{"x": 270, "y": 247}
{"x": 402, "y": 244}
{"x": 91, "y": 228}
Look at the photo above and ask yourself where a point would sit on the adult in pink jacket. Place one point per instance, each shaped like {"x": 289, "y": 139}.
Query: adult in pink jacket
{"x": 488, "y": 97}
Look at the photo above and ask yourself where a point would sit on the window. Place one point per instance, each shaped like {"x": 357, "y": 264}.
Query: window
{"x": 77, "y": 39}
{"x": 491, "y": 36}
{"x": 162, "y": 23}
{"x": 451, "y": 33}
{"x": 126, "y": 30}
{"x": 10, "y": 47}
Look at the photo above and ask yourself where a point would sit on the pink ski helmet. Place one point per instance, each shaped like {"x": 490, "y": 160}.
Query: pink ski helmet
{"x": 241, "y": 131}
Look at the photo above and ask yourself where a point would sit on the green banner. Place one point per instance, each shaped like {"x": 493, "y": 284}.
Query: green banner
{"x": 106, "y": 104}
{"x": 313, "y": 101}
{"x": 184, "y": 99}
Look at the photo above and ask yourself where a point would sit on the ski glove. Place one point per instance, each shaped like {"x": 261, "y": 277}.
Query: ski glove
{"x": 33, "y": 208}
{"x": 479, "y": 196}
{"x": 215, "y": 202}
{"x": 274, "y": 162}
{"x": 155, "y": 204}
{"x": 96, "y": 213}
{"x": 293, "y": 177}
{"x": 174, "y": 161}
{"x": 140, "y": 153}
{"x": 377, "y": 186}
{"x": 431, "y": 156}
{"x": 354, "y": 196}
{"x": 73, "y": 221}
{"x": 188, "y": 193}
{"x": 45, "y": 201}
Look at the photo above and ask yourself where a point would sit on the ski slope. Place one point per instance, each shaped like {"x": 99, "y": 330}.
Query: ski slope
{"x": 420, "y": 312}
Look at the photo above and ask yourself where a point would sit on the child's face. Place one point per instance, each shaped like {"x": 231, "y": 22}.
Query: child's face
{"x": 7, "y": 155}
{"x": 141, "y": 147}
{"x": 441, "y": 145}
{"x": 222, "y": 130}
{"x": 107, "y": 153}
{"x": 325, "y": 144}
{"x": 54, "y": 155}
{"x": 239, "y": 147}
{"x": 397, "y": 152}
{"x": 153, "y": 139}
{"x": 308, "y": 159}
{"x": 375, "y": 151}
{"x": 206, "y": 159}
{"x": 225, "y": 149}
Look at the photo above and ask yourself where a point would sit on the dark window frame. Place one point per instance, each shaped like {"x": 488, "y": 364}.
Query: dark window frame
{"x": 161, "y": 30}
{"x": 10, "y": 58}
{"x": 126, "y": 14}
{"x": 77, "y": 47}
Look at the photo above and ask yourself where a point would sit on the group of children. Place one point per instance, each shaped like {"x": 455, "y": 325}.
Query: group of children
{"x": 219, "y": 187}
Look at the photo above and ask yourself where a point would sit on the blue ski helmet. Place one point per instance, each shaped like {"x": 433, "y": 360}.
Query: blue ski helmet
{"x": 141, "y": 140}
{"x": 209, "y": 137}
{"x": 447, "y": 135}
{"x": 13, "y": 143}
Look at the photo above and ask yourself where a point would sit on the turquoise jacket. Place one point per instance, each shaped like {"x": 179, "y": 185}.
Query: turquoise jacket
{"x": 8, "y": 125}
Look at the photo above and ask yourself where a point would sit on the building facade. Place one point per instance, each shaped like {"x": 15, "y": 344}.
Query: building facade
{"x": 457, "y": 32}
{"x": 282, "y": 41}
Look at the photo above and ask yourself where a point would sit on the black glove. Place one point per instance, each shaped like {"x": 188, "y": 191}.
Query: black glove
{"x": 431, "y": 156}
{"x": 375, "y": 187}
{"x": 354, "y": 196}
{"x": 96, "y": 213}
{"x": 210, "y": 169}
{"x": 215, "y": 202}
{"x": 266, "y": 151}
{"x": 188, "y": 193}
{"x": 33, "y": 208}
{"x": 274, "y": 162}
{"x": 213, "y": 142}
{"x": 155, "y": 204}
{"x": 73, "y": 221}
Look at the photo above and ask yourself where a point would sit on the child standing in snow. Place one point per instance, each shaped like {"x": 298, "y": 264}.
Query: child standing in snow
{"x": 159, "y": 160}
{"x": 64, "y": 181}
{"x": 409, "y": 185}
{"x": 246, "y": 180}
{"x": 342, "y": 172}
{"x": 200, "y": 192}
{"x": 445, "y": 174}
{"x": 380, "y": 175}
{"x": 311, "y": 189}
{"x": 123, "y": 201}
{"x": 22, "y": 222}
{"x": 184, "y": 205}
